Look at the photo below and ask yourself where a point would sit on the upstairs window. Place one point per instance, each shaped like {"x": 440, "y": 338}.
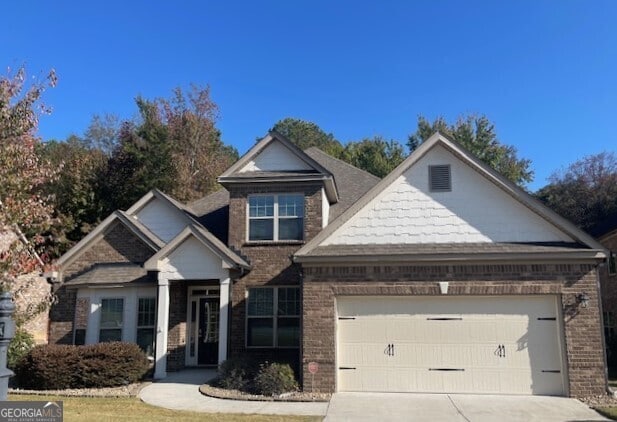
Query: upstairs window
{"x": 276, "y": 217}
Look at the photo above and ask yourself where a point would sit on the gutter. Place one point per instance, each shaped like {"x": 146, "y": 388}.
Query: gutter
{"x": 593, "y": 255}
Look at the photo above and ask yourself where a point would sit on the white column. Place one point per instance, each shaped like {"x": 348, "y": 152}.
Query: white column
{"x": 162, "y": 324}
{"x": 225, "y": 284}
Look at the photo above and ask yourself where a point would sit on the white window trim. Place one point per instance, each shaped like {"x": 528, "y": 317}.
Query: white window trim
{"x": 275, "y": 217}
{"x": 274, "y": 317}
{"x": 153, "y": 326}
{"x": 124, "y": 319}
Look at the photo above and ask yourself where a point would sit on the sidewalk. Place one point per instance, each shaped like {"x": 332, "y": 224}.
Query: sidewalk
{"x": 180, "y": 391}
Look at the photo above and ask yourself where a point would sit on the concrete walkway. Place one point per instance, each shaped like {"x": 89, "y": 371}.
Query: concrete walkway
{"x": 180, "y": 391}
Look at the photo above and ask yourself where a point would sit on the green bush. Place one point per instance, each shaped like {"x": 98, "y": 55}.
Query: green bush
{"x": 50, "y": 367}
{"x": 275, "y": 378}
{"x": 19, "y": 347}
{"x": 236, "y": 373}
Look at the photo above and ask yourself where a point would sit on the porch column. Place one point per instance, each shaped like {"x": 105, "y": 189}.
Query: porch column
{"x": 225, "y": 284}
{"x": 162, "y": 323}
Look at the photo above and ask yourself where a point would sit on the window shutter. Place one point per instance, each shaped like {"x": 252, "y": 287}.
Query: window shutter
{"x": 440, "y": 178}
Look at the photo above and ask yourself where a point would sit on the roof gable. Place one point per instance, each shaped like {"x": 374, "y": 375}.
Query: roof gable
{"x": 138, "y": 229}
{"x": 161, "y": 214}
{"x": 482, "y": 207}
{"x": 276, "y": 159}
{"x": 191, "y": 234}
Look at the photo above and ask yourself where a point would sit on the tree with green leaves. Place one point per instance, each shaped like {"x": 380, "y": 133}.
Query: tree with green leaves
{"x": 375, "y": 155}
{"x": 478, "y": 135}
{"x": 585, "y": 192}
{"x": 305, "y": 134}
{"x": 75, "y": 192}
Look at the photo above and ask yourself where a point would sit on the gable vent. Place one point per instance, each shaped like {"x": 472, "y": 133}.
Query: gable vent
{"x": 440, "y": 178}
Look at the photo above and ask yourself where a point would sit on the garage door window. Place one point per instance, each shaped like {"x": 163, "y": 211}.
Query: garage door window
{"x": 273, "y": 317}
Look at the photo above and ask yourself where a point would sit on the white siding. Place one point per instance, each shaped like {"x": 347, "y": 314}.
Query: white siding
{"x": 161, "y": 219}
{"x": 130, "y": 295}
{"x": 325, "y": 208}
{"x": 475, "y": 210}
{"x": 276, "y": 157}
{"x": 193, "y": 260}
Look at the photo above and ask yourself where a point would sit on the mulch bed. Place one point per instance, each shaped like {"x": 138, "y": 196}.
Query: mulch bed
{"x": 296, "y": 396}
{"x": 130, "y": 390}
{"x": 604, "y": 400}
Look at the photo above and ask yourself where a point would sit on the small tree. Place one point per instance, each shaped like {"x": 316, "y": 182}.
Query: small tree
{"x": 26, "y": 215}
{"x": 585, "y": 192}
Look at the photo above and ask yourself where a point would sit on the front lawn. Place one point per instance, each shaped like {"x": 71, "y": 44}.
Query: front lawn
{"x": 609, "y": 412}
{"x": 133, "y": 409}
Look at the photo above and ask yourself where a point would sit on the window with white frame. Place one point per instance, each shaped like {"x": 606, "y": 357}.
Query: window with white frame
{"x": 146, "y": 320}
{"x": 276, "y": 217}
{"x": 112, "y": 320}
{"x": 273, "y": 317}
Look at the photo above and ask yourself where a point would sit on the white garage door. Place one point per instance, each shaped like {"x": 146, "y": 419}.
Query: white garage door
{"x": 464, "y": 344}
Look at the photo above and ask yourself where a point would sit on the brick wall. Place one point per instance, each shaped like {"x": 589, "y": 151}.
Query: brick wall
{"x": 31, "y": 295}
{"x": 608, "y": 282}
{"x": 271, "y": 263}
{"x": 176, "y": 340}
{"x": 583, "y": 338}
{"x": 117, "y": 244}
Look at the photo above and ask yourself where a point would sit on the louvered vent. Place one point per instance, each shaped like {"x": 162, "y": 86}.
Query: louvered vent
{"x": 439, "y": 178}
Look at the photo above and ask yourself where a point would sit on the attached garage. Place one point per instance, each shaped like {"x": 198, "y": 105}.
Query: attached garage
{"x": 456, "y": 344}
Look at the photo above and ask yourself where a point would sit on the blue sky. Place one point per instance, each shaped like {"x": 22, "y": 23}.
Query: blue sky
{"x": 544, "y": 72}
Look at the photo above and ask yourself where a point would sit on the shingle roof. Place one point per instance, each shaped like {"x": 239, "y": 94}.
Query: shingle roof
{"x": 212, "y": 211}
{"x": 442, "y": 251}
{"x": 112, "y": 273}
{"x": 351, "y": 182}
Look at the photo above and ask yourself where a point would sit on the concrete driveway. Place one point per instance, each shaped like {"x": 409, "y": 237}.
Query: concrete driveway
{"x": 456, "y": 408}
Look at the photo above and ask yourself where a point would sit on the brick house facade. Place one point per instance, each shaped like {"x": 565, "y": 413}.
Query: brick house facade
{"x": 299, "y": 245}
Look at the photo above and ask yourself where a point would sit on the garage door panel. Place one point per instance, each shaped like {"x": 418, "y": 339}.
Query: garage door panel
{"x": 454, "y": 344}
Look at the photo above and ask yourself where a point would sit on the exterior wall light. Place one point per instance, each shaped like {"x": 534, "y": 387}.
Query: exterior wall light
{"x": 583, "y": 299}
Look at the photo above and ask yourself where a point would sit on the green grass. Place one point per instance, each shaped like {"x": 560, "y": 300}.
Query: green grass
{"x": 609, "y": 412}
{"x": 132, "y": 409}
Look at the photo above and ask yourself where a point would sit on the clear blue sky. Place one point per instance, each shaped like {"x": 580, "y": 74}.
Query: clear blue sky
{"x": 543, "y": 71}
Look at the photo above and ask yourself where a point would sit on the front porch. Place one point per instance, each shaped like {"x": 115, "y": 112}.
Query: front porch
{"x": 194, "y": 273}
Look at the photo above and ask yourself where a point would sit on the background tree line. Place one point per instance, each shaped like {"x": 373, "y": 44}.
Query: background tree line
{"x": 175, "y": 146}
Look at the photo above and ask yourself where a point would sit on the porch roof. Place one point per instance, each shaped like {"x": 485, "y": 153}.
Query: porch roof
{"x": 106, "y": 274}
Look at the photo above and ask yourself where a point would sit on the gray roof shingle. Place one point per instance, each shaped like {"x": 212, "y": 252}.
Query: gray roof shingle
{"x": 112, "y": 273}
{"x": 212, "y": 211}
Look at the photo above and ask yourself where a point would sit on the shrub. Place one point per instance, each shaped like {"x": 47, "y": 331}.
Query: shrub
{"x": 50, "y": 367}
{"x": 19, "y": 347}
{"x": 110, "y": 364}
{"x": 236, "y": 373}
{"x": 275, "y": 378}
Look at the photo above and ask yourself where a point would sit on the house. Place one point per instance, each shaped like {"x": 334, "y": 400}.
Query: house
{"x": 442, "y": 277}
{"x": 31, "y": 291}
{"x": 606, "y": 233}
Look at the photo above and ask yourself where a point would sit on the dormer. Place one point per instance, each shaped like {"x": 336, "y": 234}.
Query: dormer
{"x": 278, "y": 194}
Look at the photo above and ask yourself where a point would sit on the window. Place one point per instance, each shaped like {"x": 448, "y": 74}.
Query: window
{"x": 612, "y": 264}
{"x": 276, "y": 217}
{"x": 273, "y": 317}
{"x": 112, "y": 317}
{"x": 146, "y": 320}
{"x": 440, "y": 179}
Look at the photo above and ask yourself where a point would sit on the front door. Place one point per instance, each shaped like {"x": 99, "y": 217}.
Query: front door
{"x": 208, "y": 334}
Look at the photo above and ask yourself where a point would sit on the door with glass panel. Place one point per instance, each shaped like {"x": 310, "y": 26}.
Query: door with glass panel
{"x": 208, "y": 332}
